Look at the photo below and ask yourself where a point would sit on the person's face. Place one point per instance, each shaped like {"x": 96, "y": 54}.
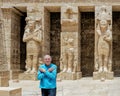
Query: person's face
{"x": 47, "y": 60}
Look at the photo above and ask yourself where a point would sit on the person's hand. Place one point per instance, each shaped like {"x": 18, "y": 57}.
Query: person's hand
{"x": 42, "y": 70}
{"x": 50, "y": 69}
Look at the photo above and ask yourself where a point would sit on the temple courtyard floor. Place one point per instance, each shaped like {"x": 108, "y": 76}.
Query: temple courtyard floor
{"x": 83, "y": 87}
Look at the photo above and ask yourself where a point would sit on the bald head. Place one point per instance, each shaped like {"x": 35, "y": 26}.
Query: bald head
{"x": 47, "y": 59}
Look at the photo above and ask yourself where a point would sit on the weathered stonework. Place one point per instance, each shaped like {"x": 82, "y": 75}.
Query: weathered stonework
{"x": 103, "y": 41}
{"x": 69, "y": 63}
{"x": 68, "y": 37}
{"x": 4, "y": 81}
{"x": 7, "y": 91}
{"x": 29, "y": 76}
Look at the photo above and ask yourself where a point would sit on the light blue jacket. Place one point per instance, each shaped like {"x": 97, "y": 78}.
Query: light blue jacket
{"x": 47, "y": 79}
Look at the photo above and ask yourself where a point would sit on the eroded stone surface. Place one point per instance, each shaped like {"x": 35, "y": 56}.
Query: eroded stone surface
{"x": 7, "y": 91}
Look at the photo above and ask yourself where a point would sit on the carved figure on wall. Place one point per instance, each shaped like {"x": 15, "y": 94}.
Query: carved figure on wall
{"x": 40, "y": 61}
{"x": 67, "y": 55}
{"x": 33, "y": 39}
{"x": 75, "y": 64}
{"x": 65, "y": 62}
{"x": 70, "y": 54}
{"x": 104, "y": 40}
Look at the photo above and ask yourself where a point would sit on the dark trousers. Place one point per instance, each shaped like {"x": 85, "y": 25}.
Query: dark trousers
{"x": 48, "y": 92}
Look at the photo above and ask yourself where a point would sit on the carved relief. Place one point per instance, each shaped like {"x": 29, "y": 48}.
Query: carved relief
{"x": 33, "y": 39}
{"x": 103, "y": 39}
{"x": 68, "y": 61}
{"x": 69, "y": 16}
{"x": 40, "y": 61}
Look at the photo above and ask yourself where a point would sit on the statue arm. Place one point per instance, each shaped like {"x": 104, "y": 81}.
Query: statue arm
{"x": 109, "y": 38}
{"x": 26, "y": 38}
{"x": 98, "y": 32}
{"x": 38, "y": 37}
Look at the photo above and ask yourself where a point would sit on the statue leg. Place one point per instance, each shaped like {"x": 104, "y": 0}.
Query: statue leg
{"x": 105, "y": 63}
{"x": 100, "y": 63}
{"x": 35, "y": 62}
{"x": 70, "y": 63}
{"x": 28, "y": 64}
{"x": 65, "y": 63}
{"x": 110, "y": 65}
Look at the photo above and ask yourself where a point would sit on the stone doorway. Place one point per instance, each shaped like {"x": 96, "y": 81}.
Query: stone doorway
{"x": 55, "y": 30}
{"x": 116, "y": 43}
{"x": 22, "y": 44}
{"x": 87, "y": 43}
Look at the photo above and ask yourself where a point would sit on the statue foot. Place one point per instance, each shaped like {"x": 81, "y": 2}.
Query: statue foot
{"x": 105, "y": 69}
{"x": 69, "y": 70}
{"x": 28, "y": 71}
{"x": 100, "y": 69}
{"x": 64, "y": 70}
{"x": 33, "y": 71}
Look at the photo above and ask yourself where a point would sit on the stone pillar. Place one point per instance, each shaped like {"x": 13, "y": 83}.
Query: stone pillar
{"x": 69, "y": 62}
{"x": 11, "y": 32}
{"x": 46, "y": 32}
{"x": 15, "y": 43}
{"x": 3, "y": 64}
{"x": 6, "y": 17}
{"x": 33, "y": 36}
{"x": 103, "y": 43}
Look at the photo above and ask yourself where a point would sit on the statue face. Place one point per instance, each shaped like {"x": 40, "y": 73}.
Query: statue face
{"x": 103, "y": 23}
{"x": 31, "y": 24}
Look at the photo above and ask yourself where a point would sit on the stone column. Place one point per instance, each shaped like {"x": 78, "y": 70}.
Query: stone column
{"x": 6, "y": 17}
{"x": 46, "y": 32}
{"x": 103, "y": 43}
{"x": 11, "y": 34}
{"x": 15, "y": 43}
{"x": 69, "y": 62}
{"x": 33, "y": 36}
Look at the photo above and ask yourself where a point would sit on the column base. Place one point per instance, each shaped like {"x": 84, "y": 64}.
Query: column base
{"x": 28, "y": 76}
{"x": 105, "y": 75}
{"x": 5, "y": 74}
{"x": 69, "y": 76}
{"x": 14, "y": 74}
{"x": 4, "y": 81}
{"x": 7, "y": 91}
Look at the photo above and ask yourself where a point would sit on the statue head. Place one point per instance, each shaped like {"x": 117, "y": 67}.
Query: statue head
{"x": 103, "y": 23}
{"x": 103, "y": 9}
{"x": 30, "y": 22}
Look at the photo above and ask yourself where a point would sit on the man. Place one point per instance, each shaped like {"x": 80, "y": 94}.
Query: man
{"x": 47, "y": 74}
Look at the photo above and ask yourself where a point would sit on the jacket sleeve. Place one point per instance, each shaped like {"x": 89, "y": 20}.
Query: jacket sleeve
{"x": 40, "y": 75}
{"x": 53, "y": 74}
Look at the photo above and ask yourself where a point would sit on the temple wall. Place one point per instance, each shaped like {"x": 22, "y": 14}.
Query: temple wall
{"x": 70, "y": 35}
